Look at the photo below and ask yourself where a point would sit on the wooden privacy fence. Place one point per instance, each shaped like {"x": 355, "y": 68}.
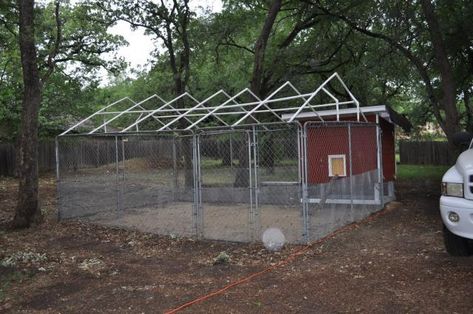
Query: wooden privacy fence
{"x": 46, "y": 161}
{"x": 426, "y": 153}
{"x": 411, "y": 152}
{"x": 77, "y": 152}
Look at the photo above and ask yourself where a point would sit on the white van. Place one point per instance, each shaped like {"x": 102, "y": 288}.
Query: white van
{"x": 456, "y": 205}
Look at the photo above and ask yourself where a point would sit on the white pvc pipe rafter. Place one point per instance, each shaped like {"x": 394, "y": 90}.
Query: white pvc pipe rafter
{"x": 243, "y": 111}
{"x": 199, "y": 105}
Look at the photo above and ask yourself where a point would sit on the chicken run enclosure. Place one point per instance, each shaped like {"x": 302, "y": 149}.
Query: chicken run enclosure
{"x": 228, "y": 167}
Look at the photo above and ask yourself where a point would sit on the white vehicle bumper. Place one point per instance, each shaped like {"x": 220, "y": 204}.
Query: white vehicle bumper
{"x": 464, "y": 209}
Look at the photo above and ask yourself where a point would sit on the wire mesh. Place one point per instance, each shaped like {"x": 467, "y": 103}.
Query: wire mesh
{"x": 278, "y": 188}
{"x": 88, "y": 176}
{"x": 231, "y": 184}
{"x": 157, "y": 190}
{"x": 225, "y": 185}
{"x": 139, "y": 182}
{"x": 343, "y": 177}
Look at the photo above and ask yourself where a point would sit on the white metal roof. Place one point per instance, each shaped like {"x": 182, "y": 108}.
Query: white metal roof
{"x": 230, "y": 113}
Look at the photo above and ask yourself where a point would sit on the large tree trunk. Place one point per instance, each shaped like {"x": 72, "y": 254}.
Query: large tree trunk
{"x": 260, "y": 48}
{"x": 27, "y": 210}
{"x": 181, "y": 72}
{"x": 186, "y": 142}
{"x": 242, "y": 178}
{"x": 447, "y": 82}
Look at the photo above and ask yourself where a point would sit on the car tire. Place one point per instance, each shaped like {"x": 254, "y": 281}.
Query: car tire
{"x": 455, "y": 245}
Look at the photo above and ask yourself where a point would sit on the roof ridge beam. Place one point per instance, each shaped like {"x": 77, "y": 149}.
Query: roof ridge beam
{"x": 193, "y": 109}
{"x": 221, "y": 106}
{"x": 157, "y": 110}
{"x": 261, "y": 103}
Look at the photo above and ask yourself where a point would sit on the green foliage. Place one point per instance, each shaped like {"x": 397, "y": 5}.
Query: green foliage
{"x": 69, "y": 76}
{"x": 308, "y": 42}
{"x": 409, "y": 172}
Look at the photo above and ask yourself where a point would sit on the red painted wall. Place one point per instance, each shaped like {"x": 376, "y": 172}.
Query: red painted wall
{"x": 326, "y": 140}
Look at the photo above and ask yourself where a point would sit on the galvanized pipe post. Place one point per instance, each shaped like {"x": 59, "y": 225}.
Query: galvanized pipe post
{"x": 231, "y": 151}
{"x": 257, "y": 215}
{"x": 195, "y": 187}
{"x": 197, "y": 210}
{"x": 117, "y": 174}
{"x": 200, "y": 208}
{"x": 174, "y": 164}
{"x": 379, "y": 151}
{"x": 123, "y": 164}
{"x": 350, "y": 164}
{"x": 251, "y": 214}
{"x": 305, "y": 192}
{"x": 58, "y": 183}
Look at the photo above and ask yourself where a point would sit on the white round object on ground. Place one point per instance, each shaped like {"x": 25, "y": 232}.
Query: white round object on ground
{"x": 273, "y": 239}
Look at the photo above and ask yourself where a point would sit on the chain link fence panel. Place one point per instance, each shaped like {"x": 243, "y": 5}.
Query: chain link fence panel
{"x": 225, "y": 185}
{"x": 343, "y": 177}
{"x": 87, "y": 183}
{"x": 156, "y": 195}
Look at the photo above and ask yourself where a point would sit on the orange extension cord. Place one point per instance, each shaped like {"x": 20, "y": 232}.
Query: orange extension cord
{"x": 290, "y": 258}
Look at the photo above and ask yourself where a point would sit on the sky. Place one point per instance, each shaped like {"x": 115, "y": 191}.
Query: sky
{"x": 140, "y": 45}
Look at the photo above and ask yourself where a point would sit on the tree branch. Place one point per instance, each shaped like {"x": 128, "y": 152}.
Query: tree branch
{"x": 50, "y": 63}
{"x": 421, "y": 69}
{"x": 229, "y": 41}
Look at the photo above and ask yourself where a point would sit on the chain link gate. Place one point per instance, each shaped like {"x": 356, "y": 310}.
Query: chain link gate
{"x": 248, "y": 181}
{"x": 278, "y": 181}
{"x": 225, "y": 185}
{"x": 157, "y": 184}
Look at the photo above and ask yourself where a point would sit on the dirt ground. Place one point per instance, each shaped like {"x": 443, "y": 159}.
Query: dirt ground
{"x": 393, "y": 263}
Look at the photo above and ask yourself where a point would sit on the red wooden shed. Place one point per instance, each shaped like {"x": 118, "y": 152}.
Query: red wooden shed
{"x": 341, "y": 144}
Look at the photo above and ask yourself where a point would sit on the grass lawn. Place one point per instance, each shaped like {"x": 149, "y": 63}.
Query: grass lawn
{"x": 421, "y": 172}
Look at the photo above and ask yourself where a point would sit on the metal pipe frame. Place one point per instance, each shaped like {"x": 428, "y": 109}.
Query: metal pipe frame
{"x": 379, "y": 148}
{"x": 261, "y": 104}
{"x": 56, "y": 154}
{"x": 305, "y": 189}
{"x": 117, "y": 168}
{"x": 243, "y": 110}
{"x": 157, "y": 110}
{"x": 224, "y": 105}
{"x": 199, "y": 105}
{"x": 304, "y": 99}
{"x": 256, "y": 212}
{"x": 251, "y": 214}
{"x": 350, "y": 162}
{"x": 94, "y": 114}
{"x": 200, "y": 208}
{"x": 195, "y": 171}
{"x": 103, "y": 125}
{"x": 322, "y": 87}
